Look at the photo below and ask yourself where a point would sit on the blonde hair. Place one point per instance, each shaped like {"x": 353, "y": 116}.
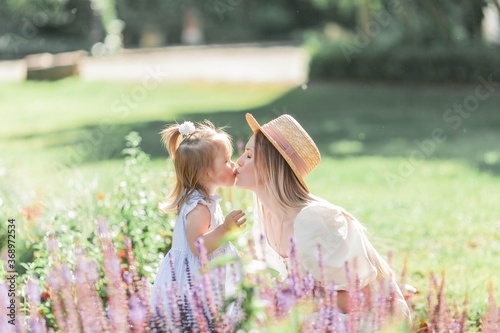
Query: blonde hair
{"x": 281, "y": 182}
{"x": 277, "y": 176}
{"x": 193, "y": 155}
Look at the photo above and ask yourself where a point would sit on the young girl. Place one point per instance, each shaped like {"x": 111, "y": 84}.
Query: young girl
{"x": 202, "y": 161}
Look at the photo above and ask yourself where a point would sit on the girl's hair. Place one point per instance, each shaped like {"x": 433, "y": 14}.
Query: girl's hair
{"x": 277, "y": 176}
{"x": 281, "y": 182}
{"x": 193, "y": 155}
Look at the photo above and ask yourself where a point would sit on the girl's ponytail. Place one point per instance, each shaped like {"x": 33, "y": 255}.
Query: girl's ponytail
{"x": 171, "y": 138}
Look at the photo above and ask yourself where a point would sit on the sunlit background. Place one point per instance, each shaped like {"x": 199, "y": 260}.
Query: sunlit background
{"x": 402, "y": 98}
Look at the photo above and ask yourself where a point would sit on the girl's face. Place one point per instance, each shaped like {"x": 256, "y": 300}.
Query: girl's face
{"x": 246, "y": 176}
{"x": 223, "y": 171}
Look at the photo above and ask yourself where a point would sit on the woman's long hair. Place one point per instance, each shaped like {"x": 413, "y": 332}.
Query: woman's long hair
{"x": 280, "y": 181}
{"x": 276, "y": 175}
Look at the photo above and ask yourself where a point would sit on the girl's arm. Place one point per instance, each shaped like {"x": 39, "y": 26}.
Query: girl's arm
{"x": 198, "y": 222}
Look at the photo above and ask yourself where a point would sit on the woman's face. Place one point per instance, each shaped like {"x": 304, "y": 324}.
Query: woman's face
{"x": 246, "y": 176}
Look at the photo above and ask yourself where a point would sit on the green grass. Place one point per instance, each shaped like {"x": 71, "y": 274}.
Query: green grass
{"x": 439, "y": 211}
{"x": 44, "y": 108}
{"x": 443, "y": 218}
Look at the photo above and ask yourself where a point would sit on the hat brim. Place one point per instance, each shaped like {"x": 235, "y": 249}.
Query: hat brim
{"x": 255, "y": 126}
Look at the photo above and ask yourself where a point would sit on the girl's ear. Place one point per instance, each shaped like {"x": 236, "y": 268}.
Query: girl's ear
{"x": 207, "y": 176}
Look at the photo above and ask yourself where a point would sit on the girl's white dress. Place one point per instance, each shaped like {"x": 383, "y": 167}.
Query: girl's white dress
{"x": 181, "y": 253}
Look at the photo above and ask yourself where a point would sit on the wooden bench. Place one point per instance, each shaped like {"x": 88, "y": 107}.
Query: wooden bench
{"x": 47, "y": 66}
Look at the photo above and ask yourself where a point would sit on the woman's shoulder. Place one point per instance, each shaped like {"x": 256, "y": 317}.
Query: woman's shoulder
{"x": 319, "y": 219}
{"x": 318, "y": 211}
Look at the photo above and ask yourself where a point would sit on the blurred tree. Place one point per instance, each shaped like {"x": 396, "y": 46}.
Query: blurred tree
{"x": 105, "y": 12}
{"x": 231, "y": 20}
{"x": 472, "y": 16}
{"x": 419, "y": 22}
{"x": 417, "y": 40}
{"x": 47, "y": 15}
{"x": 164, "y": 16}
{"x": 33, "y": 26}
{"x": 273, "y": 19}
{"x": 496, "y": 3}
{"x": 423, "y": 21}
{"x": 5, "y": 26}
{"x": 447, "y": 21}
{"x": 314, "y": 13}
{"x": 359, "y": 9}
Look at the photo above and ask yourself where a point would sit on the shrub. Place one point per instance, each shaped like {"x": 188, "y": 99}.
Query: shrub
{"x": 130, "y": 210}
{"x": 405, "y": 62}
{"x": 35, "y": 26}
{"x": 260, "y": 302}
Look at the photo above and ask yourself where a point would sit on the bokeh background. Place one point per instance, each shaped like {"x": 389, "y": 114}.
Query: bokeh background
{"x": 402, "y": 98}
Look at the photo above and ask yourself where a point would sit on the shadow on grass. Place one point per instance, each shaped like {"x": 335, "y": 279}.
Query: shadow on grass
{"x": 345, "y": 120}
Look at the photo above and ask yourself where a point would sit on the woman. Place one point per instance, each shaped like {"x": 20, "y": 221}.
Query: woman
{"x": 277, "y": 158}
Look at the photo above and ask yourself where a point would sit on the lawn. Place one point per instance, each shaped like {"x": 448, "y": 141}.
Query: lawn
{"x": 425, "y": 185}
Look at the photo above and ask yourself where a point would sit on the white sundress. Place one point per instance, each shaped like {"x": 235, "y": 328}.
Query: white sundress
{"x": 342, "y": 239}
{"x": 181, "y": 253}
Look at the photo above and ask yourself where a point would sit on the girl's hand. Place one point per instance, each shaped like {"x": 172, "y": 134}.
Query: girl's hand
{"x": 234, "y": 220}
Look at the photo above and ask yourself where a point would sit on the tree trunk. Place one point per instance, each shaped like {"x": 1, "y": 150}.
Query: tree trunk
{"x": 364, "y": 16}
{"x": 439, "y": 17}
{"x": 96, "y": 33}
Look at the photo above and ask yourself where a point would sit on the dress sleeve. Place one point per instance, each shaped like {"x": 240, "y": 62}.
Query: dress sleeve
{"x": 195, "y": 198}
{"x": 341, "y": 238}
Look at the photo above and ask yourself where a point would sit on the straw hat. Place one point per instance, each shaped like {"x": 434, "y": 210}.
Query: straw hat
{"x": 292, "y": 142}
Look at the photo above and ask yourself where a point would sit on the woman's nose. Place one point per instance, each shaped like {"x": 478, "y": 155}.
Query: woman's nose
{"x": 239, "y": 161}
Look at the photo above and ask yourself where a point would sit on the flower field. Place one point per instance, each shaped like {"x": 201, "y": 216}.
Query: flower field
{"x": 87, "y": 279}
